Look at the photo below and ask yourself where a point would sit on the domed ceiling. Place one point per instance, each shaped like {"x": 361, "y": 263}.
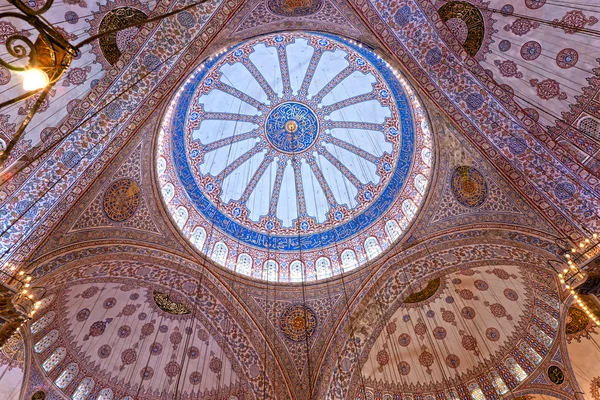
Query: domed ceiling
{"x": 482, "y": 329}
{"x": 294, "y": 156}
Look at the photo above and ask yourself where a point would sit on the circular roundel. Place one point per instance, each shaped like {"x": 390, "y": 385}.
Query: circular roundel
{"x": 113, "y": 44}
{"x": 531, "y": 50}
{"x": 294, "y": 144}
{"x": 466, "y": 22}
{"x": 468, "y": 186}
{"x": 294, "y": 8}
{"x": 567, "y": 58}
{"x": 121, "y": 200}
{"x": 556, "y": 375}
{"x": 298, "y": 322}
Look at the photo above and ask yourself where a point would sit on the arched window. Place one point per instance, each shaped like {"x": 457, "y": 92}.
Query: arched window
{"x": 168, "y": 191}
{"x": 67, "y": 376}
{"x": 451, "y": 395}
{"x": 530, "y": 353}
{"x": 105, "y": 394}
{"x": 244, "y": 264}
{"x": 219, "y": 254}
{"x": 54, "y": 359}
{"x": 540, "y": 335}
{"x": 43, "y": 303}
{"x": 323, "y": 268}
{"x": 515, "y": 369}
{"x": 84, "y": 389}
{"x": 46, "y": 341}
{"x": 498, "y": 383}
{"x": 421, "y": 183}
{"x": 476, "y": 392}
{"x": 349, "y": 260}
{"x": 590, "y": 126}
{"x": 551, "y": 301}
{"x": 372, "y": 247}
{"x": 550, "y": 320}
{"x": 426, "y": 156}
{"x": 161, "y": 165}
{"x": 409, "y": 208}
{"x": 181, "y": 216}
{"x": 198, "y": 237}
{"x": 296, "y": 271}
{"x": 270, "y": 271}
{"x": 42, "y": 322}
{"x": 393, "y": 230}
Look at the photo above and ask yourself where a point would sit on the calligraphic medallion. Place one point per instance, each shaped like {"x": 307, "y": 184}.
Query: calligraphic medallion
{"x": 556, "y": 375}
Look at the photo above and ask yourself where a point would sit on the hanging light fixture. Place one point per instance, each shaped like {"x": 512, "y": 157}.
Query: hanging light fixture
{"x": 43, "y": 62}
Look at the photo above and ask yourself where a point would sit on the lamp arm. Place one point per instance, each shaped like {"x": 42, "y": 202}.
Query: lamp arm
{"x": 135, "y": 24}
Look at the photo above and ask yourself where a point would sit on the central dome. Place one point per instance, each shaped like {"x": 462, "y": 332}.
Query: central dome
{"x": 294, "y": 156}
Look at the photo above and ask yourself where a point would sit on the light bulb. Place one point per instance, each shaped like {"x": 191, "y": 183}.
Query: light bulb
{"x": 21, "y": 272}
{"x": 565, "y": 270}
{"x": 568, "y": 255}
{"x": 34, "y": 78}
{"x": 28, "y": 278}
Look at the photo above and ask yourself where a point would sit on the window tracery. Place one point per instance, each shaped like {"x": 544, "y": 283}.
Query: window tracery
{"x": 181, "y": 216}
{"x": 244, "y": 264}
{"x": 476, "y": 392}
{"x": 498, "y": 383}
{"x": 540, "y": 335}
{"x": 105, "y": 394}
{"x": 393, "y": 230}
{"x": 349, "y": 260}
{"x": 590, "y": 126}
{"x": 46, "y": 341}
{"x": 550, "y": 320}
{"x": 41, "y": 323}
{"x": 198, "y": 238}
{"x": 421, "y": 184}
{"x": 409, "y": 208}
{"x": 530, "y": 353}
{"x": 515, "y": 369}
{"x": 323, "y": 268}
{"x": 219, "y": 254}
{"x": 67, "y": 376}
{"x": 372, "y": 247}
{"x": 296, "y": 271}
{"x": 84, "y": 389}
{"x": 168, "y": 192}
{"x": 54, "y": 359}
{"x": 271, "y": 271}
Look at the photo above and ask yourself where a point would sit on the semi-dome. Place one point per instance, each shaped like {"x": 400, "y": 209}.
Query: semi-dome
{"x": 294, "y": 156}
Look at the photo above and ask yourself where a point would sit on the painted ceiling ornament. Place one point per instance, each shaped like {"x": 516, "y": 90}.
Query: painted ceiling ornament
{"x": 298, "y": 322}
{"x": 425, "y": 293}
{"x": 469, "y": 186}
{"x": 577, "y": 325}
{"x": 556, "y": 375}
{"x": 169, "y": 306}
{"x": 471, "y": 26}
{"x": 294, "y": 8}
{"x": 121, "y": 200}
{"x": 294, "y": 142}
{"x": 112, "y": 15}
{"x": 39, "y": 395}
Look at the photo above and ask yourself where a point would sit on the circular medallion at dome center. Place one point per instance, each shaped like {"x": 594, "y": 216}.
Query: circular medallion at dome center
{"x": 292, "y": 127}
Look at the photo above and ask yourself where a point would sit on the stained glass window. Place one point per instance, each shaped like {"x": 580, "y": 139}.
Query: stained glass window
{"x": 161, "y": 165}
{"x": 409, "y": 208}
{"x": 219, "y": 254}
{"x": 550, "y": 320}
{"x": 551, "y": 301}
{"x": 271, "y": 271}
{"x": 67, "y": 376}
{"x": 530, "y": 353}
{"x": 46, "y": 341}
{"x": 168, "y": 191}
{"x": 45, "y": 302}
{"x": 393, "y": 230}
{"x": 590, "y": 126}
{"x": 497, "y": 382}
{"x": 372, "y": 247}
{"x": 476, "y": 392}
{"x": 426, "y": 156}
{"x": 54, "y": 359}
{"x": 540, "y": 335}
{"x": 515, "y": 369}
{"x": 421, "y": 183}
{"x": 349, "y": 261}
{"x": 323, "y": 268}
{"x": 181, "y": 216}
{"x": 105, "y": 394}
{"x": 244, "y": 264}
{"x": 198, "y": 237}
{"x": 84, "y": 389}
{"x": 42, "y": 322}
{"x": 451, "y": 395}
{"x": 296, "y": 271}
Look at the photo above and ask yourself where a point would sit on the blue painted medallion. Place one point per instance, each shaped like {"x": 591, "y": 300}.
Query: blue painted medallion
{"x": 292, "y": 127}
